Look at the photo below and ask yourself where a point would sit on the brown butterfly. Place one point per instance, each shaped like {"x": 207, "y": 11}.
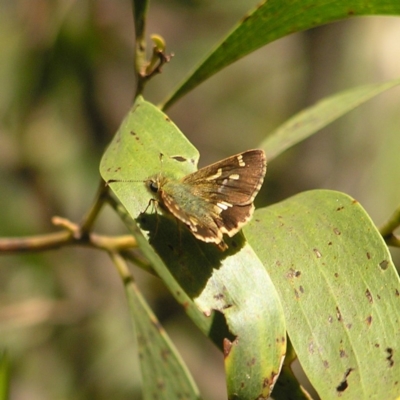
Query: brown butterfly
{"x": 217, "y": 199}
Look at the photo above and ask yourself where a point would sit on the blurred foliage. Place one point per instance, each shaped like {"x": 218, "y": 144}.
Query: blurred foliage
{"x": 67, "y": 81}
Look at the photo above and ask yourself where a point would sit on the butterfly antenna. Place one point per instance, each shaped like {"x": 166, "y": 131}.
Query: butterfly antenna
{"x": 121, "y": 180}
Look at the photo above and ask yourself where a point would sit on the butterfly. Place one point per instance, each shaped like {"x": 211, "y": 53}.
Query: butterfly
{"x": 214, "y": 200}
{"x": 217, "y": 199}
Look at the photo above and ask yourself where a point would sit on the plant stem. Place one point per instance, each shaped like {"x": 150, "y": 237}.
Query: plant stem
{"x": 89, "y": 219}
{"x": 139, "y": 19}
{"x": 390, "y": 225}
{"x": 56, "y": 240}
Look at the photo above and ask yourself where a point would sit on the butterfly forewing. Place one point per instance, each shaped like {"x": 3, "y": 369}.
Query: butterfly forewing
{"x": 235, "y": 180}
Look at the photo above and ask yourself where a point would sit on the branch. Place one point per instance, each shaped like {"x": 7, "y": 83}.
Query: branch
{"x": 67, "y": 237}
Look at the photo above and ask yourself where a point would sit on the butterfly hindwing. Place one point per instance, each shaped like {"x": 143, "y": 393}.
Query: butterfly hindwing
{"x": 199, "y": 216}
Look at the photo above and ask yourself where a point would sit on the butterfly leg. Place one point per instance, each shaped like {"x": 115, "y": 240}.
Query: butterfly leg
{"x": 154, "y": 203}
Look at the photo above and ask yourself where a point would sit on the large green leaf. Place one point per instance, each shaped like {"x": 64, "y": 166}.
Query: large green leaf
{"x": 201, "y": 277}
{"x": 233, "y": 282}
{"x": 134, "y": 153}
{"x": 339, "y": 289}
{"x": 274, "y": 19}
{"x": 314, "y": 118}
{"x": 164, "y": 374}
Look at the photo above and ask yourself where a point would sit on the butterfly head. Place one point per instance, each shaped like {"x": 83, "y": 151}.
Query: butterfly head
{"x": 155, "y": 183}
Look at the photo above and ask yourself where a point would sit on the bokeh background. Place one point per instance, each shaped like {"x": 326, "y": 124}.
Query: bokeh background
{"x": 66, "y": 79}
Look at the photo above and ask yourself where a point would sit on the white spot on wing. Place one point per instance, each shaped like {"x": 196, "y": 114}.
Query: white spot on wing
{"x": 240, "y": 161}
{"x": 215, "y": 176}
{"x": 223, "y": 205}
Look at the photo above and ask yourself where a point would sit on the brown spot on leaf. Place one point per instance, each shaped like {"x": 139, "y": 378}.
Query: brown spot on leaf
{"x": 389, "y": 358}
{"x": 290, "y": 273}
{"x": 384, "y": 264}
{"x": 369, "y": 320}
{"x": 311, "y": 347}
{"x": 251, "y": 362}
{"x": 336, "y": 231}
{"x": 343, "y": 385}
{"x": 338, "y": 314}
{"x": 317, "y": 253}
{"x": 368, "y": 255}
{"x": 340, "y": 208}
{"x": 227, "y": 345}
{"x": 369, "y": 296}
{"x": 179, "y": 158}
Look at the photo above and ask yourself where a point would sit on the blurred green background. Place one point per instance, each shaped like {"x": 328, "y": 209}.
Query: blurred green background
{"x": 67, "y": 80}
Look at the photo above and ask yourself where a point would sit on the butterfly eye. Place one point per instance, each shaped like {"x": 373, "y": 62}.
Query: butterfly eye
{"x": 153, "y": 186}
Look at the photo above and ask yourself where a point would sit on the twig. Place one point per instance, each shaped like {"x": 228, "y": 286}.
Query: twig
{"x": 388, "y": 228}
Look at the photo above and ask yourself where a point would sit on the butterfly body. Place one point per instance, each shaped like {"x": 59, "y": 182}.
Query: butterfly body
{"x": 217, "y": 199}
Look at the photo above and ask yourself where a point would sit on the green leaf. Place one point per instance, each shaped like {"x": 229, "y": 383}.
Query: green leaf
{"x": 199, "y": 275}
{"x": 274, "y": 19}
{"x": 339, "y": 289}
{"x": 243, "y": 292}
{"x": 164, "y": 374}
{"x": 134, "y": 154}
{"x": 314, "y": 118}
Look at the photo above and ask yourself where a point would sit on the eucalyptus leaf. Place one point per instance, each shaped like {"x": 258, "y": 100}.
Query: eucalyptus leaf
{"x": 164, "y": 374}
{"x": 339, "y": 289}
{"x": 314, "y": 118}
{"x": 232, "y": 282}
{"x": 272, "y": 20}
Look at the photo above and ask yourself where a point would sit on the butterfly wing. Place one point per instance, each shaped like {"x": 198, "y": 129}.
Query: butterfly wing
{"x": 222, "y": 194}
{"x": 236, "y": 180}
